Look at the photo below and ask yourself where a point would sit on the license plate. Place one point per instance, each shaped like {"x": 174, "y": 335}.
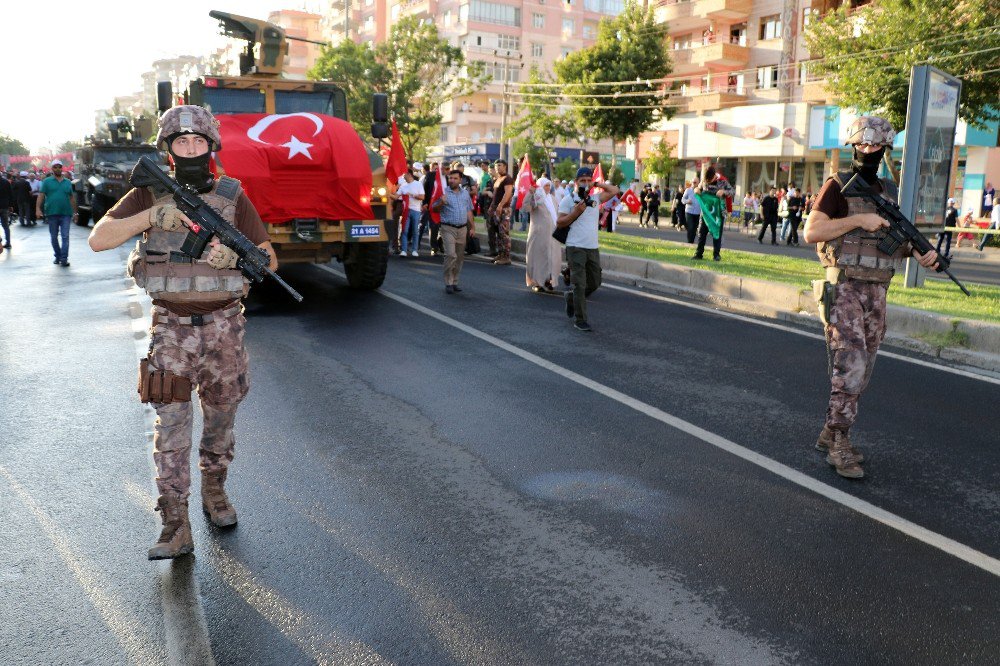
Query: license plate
{"x": 364, "y": 231}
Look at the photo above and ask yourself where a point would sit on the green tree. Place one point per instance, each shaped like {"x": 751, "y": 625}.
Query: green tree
{"x": 538, "y": 155}
{"x": 630, "y": 47}
{"x": 565, "y": 169}
{"x": 415, "y": 66}
{"x": 11, "y": 146}
{"x": 866, "y": 55}
{"x": 539, "y": 121}
{"x": 660, "y": 163}
{"x": 68, "y": 146}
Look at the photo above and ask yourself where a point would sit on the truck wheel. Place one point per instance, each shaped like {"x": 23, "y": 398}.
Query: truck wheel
{"x": 365, "y": 264}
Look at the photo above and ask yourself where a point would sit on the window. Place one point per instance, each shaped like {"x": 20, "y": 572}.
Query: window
{"x": 508, "y": 42}
{"x": 609, "y": 7}
{"x": 767, "y": 77}
{"x": 569, "y": 26}
{"x": 444, "y": 134}
{"x": 538, "y": 20}
{"x": 494, "y": 12}
{"x": 369, "y": 23}
{"x": 565, "y": 51}
{"x": 496, "y": 106}
{"x": 589, "y": 31}
{"x": 499, "y": 71}
{"x": 537, "y": 50}
{"x": 738, "y": 34}
{"x": 394, "y": 12}
{"x": 803, "y": 73}
{"x": 770, "y": 27}
{"x": 809, "y": 14}
{"x": 329, "y": 102}
{"x": 683, "y": 41}
{"x": 447, "y": 19}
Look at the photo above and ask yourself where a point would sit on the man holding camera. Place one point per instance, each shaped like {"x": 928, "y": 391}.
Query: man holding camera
{"x": 579, "y": 212}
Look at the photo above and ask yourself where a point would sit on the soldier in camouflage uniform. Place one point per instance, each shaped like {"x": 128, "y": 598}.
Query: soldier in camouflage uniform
{"x": 196, "y": 338}
{"x": 852, "y": 298}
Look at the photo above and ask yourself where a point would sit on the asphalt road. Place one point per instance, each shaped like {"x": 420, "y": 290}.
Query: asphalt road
{"x": 426, "y": 478}
{"x": 969, "y": 265}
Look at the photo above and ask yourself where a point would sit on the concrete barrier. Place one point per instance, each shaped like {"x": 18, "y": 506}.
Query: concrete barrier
{"x": 906, "y": 327}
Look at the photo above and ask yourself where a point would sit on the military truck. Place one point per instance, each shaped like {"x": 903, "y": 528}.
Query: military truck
{"x": 361, "y": 245}
{"x": 103, "y": 167}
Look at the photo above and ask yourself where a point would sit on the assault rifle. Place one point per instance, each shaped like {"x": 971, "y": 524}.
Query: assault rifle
{"x": 900, "y": 230}
{"x": 253, "y": 262}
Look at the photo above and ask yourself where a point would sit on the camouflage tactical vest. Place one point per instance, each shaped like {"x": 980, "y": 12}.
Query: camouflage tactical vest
{"x": 856, "y": 252}
{"x": 158, "y": 265}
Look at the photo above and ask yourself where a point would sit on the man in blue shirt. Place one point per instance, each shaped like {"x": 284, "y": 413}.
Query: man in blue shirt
{"x": 57, "y": 206}
{"x": 455, "y": 207}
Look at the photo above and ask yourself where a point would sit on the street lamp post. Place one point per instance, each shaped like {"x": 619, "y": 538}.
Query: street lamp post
{"x": 505, "y": 148}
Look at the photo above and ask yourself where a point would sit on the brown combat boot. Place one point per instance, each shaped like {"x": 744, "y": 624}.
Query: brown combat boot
{"x": 175, "y": 539}
{"x": 842, "y": 458}
{"x": 826, "y": 439}
{"x": 214, "y": 501}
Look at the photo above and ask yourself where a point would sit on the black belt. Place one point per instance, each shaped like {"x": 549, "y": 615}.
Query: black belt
{"x": 456, "y": 226}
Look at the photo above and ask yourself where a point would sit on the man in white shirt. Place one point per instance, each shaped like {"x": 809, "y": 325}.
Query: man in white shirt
{"x": 580, "y": 212}
{"x": 414, "y": 193}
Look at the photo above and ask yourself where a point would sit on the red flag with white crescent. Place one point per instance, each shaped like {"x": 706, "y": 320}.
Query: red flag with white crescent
{"x": 297, "y": 165}
{"x": 525, "y": 181}
{"x": 598, "y": 177}
{"x": 631, "y": 201}
{"x": 395, "y": 164}
{"x": 437, "y": 194}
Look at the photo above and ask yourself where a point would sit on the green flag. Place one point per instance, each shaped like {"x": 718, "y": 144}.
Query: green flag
{"x": 713, "y": 211}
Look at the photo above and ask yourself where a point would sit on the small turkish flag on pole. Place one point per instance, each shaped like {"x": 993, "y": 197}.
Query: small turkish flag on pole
{"x": 525, "y": 181}
{"x": 395, "y": 166}
{"x": 437, "y": 194}
{"x": 631, "y": 201}
{"x": 598, "y": 174}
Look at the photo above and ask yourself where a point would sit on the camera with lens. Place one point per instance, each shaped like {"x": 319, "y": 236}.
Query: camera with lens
{"x": 583, "y": 193}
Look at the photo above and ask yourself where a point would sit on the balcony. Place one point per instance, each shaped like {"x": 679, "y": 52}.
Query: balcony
{"x": 724, "y": 10}
{"x": 713, "y": 100}
{"x": 720, "y": 55}
{"x": 682, "y": 62}
{"x": 816, "y": 92}
{"x": 679, "y": 16}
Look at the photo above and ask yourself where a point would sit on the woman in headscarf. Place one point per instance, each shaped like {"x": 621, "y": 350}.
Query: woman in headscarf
{"x": 544, "y": 255}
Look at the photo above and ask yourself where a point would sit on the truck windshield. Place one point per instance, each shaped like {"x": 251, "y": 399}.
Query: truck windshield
{"x": 294, "y": 101}
{"x": 233, "y": 100}
{"x": 121, "y": 155}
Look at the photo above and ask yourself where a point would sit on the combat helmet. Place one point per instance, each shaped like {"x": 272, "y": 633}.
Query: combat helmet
{"x": 870, "y": 129}
{"x": 188, "y": 119}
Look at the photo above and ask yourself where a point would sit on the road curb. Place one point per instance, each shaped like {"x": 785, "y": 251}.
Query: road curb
{"x": 789, "y": 303}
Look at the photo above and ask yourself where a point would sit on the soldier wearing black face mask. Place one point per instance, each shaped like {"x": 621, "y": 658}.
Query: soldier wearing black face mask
{"x": 847, "y": 231}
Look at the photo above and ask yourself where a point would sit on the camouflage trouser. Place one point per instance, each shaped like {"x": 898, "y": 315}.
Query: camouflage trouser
{"x": 503, "y": 233}
{"x": 855, "y": 331}
{"x": 213, "y": 357}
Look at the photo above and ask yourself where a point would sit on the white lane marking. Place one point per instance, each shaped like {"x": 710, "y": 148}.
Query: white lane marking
{"x": 184, "y": 622}
{"x": 127, "y": 630}
{"x": 790, "y": 329}
{"x": 942, "y": 543}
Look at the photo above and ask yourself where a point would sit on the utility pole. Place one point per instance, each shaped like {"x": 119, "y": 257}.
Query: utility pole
{"x": 347, "y": 20}
{"x": 505, "y": 148}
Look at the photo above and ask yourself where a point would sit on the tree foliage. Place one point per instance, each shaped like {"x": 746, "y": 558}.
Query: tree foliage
{"x": 538, "y": 121}
{"x": 565, "y": 169}
{"x": 417, "y": 69}
{"x": 630, "y": 47}
{"x": 12, "y": 146}
{"x": 660, "y": 163}
{"x": 538, "y": 155}
{"x": 866, "y": 55}
{"x": 69, "y": 146}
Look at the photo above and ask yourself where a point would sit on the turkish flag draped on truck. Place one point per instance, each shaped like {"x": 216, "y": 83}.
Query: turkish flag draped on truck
{"x": 297, "y": 165}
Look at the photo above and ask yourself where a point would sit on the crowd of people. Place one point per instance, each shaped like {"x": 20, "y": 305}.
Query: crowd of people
{"x": 448, "y": 219}
{"x": 28, "y": 196}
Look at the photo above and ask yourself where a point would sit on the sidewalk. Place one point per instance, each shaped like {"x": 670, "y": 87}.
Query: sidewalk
{"x": 907, "y": 327}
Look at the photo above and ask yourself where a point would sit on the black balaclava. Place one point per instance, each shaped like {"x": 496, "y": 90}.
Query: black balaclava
{"x": 867, "y": 164}
{"x": 192, "y": 171}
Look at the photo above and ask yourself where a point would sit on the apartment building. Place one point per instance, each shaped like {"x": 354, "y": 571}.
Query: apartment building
{"x": 305, "y": 25}
{"x": 745, "y": 95}
{"x": 507, "y": 36}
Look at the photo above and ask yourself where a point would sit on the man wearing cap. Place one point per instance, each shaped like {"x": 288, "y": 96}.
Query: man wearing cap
{"x": 57, "y": 205}
{"x": 579, "y": 211}
{"x": 847, "y": 231}
{"x": 196, "y": 338}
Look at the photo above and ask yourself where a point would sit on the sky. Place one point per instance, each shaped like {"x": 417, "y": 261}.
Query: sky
{"x": 64, "y": 60}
